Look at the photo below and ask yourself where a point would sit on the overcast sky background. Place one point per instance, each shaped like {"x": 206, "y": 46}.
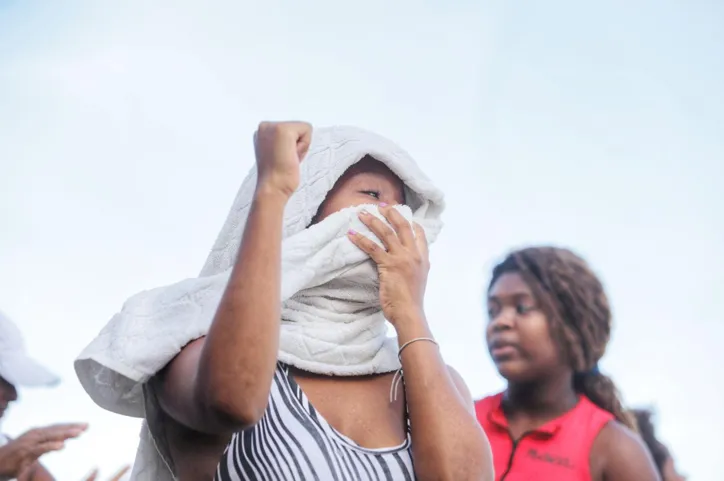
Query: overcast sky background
{"x": 125, "y": 130}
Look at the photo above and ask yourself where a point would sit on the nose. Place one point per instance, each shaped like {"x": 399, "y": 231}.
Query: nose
{"x": 502, "y": 321}
{"x": 505, "y": 319}
{"x": 8, "y": 393}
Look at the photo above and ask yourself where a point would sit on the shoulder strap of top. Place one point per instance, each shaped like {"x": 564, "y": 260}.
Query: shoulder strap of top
{"x": 595, "y": 420}
{"x": 407, "y": 408}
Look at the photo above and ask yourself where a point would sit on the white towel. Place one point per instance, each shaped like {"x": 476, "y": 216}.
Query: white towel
{"x": 331, "y": 318}
{"x": 333, "y": 325}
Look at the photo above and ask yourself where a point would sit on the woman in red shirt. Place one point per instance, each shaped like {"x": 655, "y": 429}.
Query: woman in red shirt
{"x": 559, "y": 419}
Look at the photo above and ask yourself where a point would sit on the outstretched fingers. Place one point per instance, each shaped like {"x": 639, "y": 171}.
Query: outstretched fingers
{"x": 60, "y": 432}
{"x": 46, "y": 447}
{"x": 402, "y": 236}
{"x": 92, "y": 476}
{"x": 402, "y": 227}
{"x": 421, "y": 240}
{"x": 120, "y": 473}
{"x": 366, "y": 245}
{"x": 384, "y": 233}
{"x": 51, "y": 438}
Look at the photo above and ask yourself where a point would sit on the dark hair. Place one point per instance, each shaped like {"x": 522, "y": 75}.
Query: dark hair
{"x": 658, "y": 450}
{"x": 574, "y": 301}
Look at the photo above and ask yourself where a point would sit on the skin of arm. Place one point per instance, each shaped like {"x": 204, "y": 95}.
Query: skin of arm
{"x": 621, "y": 455}
{"x": 447, "y": 441}
{"x": 213, "y": 385}
{"x": 220, "y": 384}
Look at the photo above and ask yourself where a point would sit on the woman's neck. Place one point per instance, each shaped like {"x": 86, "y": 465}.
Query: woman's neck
{"x": 542, "y": 397}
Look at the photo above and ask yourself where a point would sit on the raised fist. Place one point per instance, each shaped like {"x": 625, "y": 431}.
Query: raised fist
{"x": 279, "y": 148}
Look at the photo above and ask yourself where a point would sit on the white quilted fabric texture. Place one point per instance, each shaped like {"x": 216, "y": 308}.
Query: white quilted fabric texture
{"x": 331, "y": 318}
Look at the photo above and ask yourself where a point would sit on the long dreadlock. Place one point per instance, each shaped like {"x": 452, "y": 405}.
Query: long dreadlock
{"x": 658, "y": 450}
{"x": 578, "y": 312}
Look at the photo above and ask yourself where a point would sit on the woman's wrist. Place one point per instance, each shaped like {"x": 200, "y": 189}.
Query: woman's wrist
{"x": 266, "y": 194}
{"x": 411, "y": 324}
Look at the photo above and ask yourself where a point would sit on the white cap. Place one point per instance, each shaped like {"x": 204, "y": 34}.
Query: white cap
{"x": 16, "y": 367}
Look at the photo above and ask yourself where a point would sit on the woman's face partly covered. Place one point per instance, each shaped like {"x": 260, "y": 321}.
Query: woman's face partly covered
{"x": 369, "y": 181}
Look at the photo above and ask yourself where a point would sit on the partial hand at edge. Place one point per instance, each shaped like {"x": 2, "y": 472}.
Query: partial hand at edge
{"x": 19, "y": 454}
{"x": 116, "y": 477}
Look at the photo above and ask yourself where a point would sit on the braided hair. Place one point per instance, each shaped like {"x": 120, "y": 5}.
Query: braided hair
{"x": 658, "y": 450}
{"x": 578, "y": 313}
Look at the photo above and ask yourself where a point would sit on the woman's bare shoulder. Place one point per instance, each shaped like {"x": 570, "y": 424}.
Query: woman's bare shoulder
{"x": 619, "y": 453}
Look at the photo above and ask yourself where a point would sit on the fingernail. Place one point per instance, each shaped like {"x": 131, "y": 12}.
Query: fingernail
{"x": 351, "y": 232}
{"x": 364, "y": 212}
{"x": 383, "y": 204}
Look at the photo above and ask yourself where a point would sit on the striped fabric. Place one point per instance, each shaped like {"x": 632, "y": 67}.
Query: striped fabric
{"x": 292, "y": 442}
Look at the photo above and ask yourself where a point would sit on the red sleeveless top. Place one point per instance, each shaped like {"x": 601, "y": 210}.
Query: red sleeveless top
{"x": 557, "y": 451}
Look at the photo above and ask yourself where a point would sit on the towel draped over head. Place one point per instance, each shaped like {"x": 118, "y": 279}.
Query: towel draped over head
{"x": 331, "y": 318}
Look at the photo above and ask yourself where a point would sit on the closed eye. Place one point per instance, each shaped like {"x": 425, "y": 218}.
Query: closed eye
{"x": 372, "y": 193}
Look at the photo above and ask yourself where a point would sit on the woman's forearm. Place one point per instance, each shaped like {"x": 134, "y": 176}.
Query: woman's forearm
{"x": 447, "y": 441}
{"x": 239, "y": 355}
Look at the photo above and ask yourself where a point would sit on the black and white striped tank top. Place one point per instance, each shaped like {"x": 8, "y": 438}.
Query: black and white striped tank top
{"x": 292, "y": 442}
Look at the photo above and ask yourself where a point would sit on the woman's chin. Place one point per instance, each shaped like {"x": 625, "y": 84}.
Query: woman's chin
{"x": 511, "y": 370}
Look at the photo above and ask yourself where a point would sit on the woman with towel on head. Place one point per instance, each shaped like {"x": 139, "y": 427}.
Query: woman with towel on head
{"x": 336, "y": 225}
{"x": 559, "y": 418}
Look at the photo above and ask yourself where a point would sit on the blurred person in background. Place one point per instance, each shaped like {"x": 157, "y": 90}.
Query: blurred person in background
{"x": 560, "y": 418}
{"x": 661, "y": 454}
{"x": 19, "y": 457}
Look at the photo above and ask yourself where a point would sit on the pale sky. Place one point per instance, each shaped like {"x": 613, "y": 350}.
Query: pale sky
{"x": 125, "y": 131}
